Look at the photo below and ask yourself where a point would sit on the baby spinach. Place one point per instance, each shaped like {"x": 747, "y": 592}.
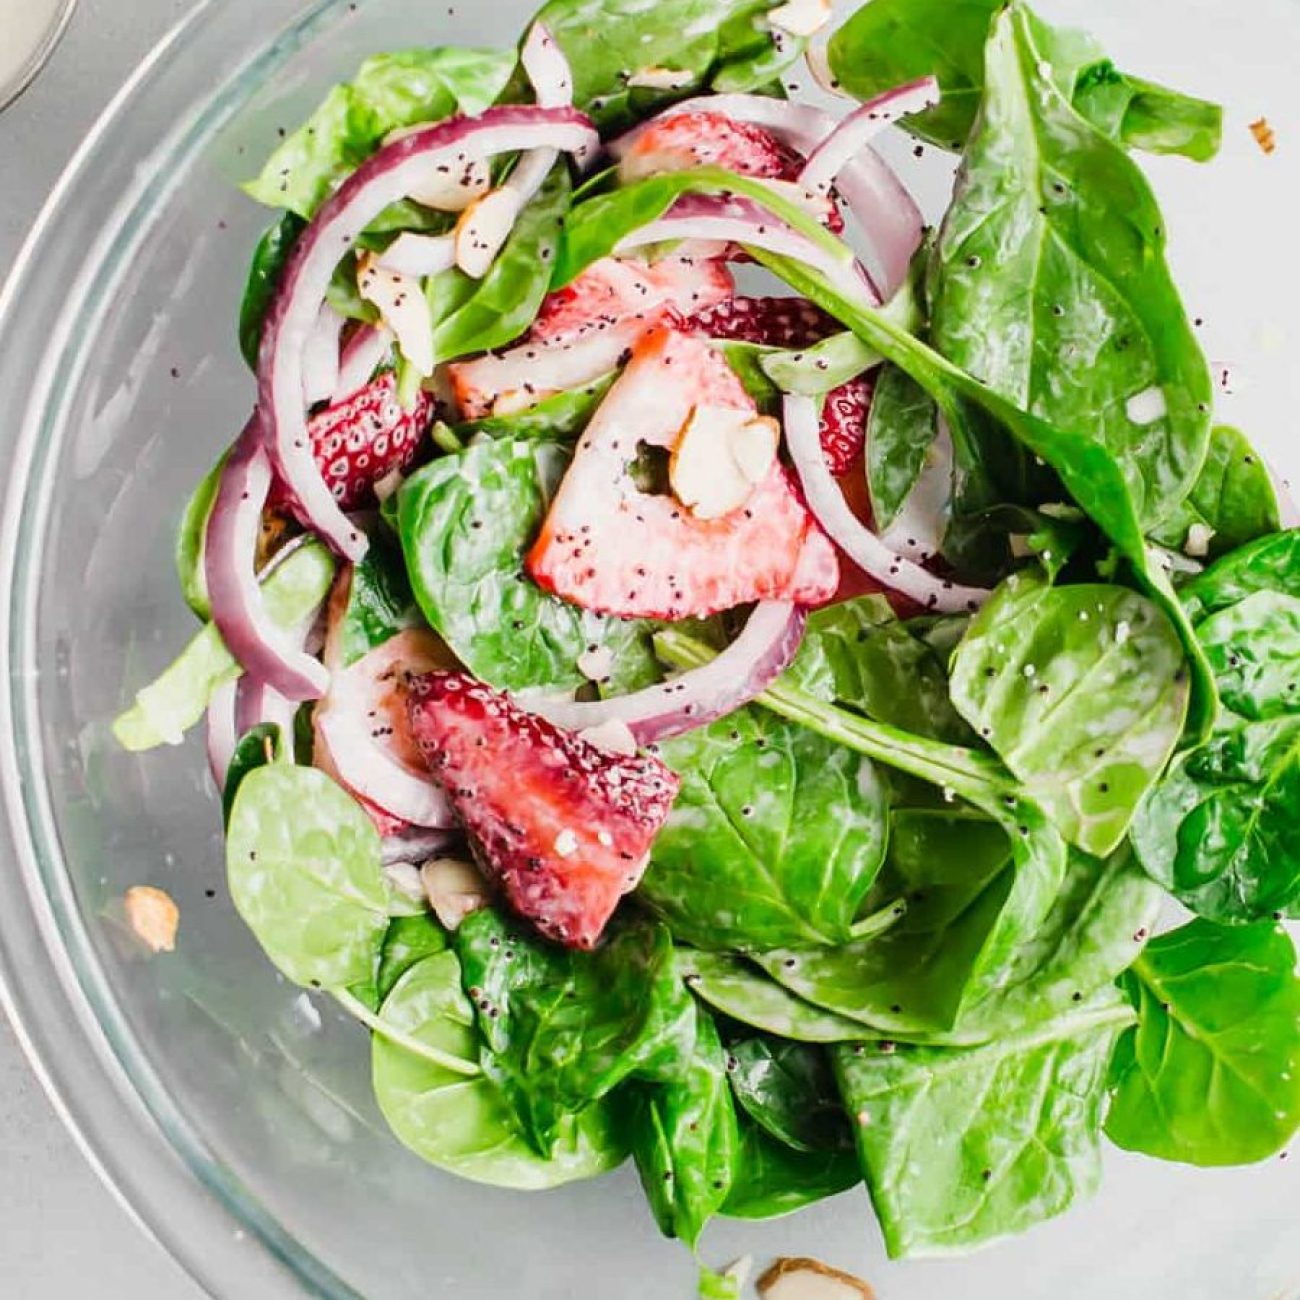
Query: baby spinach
{"x": 1082, "y": 691}
{"x": 774, "y": 839}
{"x": 1233, "y": 501}
{"x": 559, "y": 418}
{"x": 171, "y": 704}
{"x": 723, "y": 44}
{"x": 379, "y": 604}
{"x": 901, "y": 429}
{"x": 1211, "y": 1073}
{"x": 303, "y": 863}
{"x": 258, "y": 747}
{"x": 1254, "y": 649}
{"x": 788, "y": 1090}
{"x": 459, "y": 1121}
{"x": 889, "y": 42}
{"x": 1222, "y": 831}
{"x": 1049, "y": 281}
{"x": 388, "y": 92}
{"x": 1270, "y": 564}
{"x": 269, "y": 260}
{"x": 773, "y": 1179}
{"x": 562, "y": 1029}
{"x": 747, "y": 995}
{"x": 465, "y": 523}
{"x": 190, "y": 537}
{"x": 686, "y": 1140}
{"x": 409, "y": 939}
{"x": 960, "y": 1147}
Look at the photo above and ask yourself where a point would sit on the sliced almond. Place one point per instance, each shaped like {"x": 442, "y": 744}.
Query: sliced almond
{"x": 402, "y": 307}
{"x": 596, "y": 663}
{"x": 483, "y": 229}
{"x": 1199, "y": 537}
{"x": 801, "y": 17}
{"x": 613, "y": 736}
{"x": 810, "y": 1279}
{"x": 721, "y": 456}
{"x": 452, "y": 187}
{"x": 516, "y": 400}
{"x": 658, "y": 78}
{"x": 153, "y": 917}
{"x": 455, "y": 888}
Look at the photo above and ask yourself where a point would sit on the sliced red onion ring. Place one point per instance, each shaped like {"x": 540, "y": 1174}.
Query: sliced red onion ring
{"x": 363, "y": 354}
{"x": 320, "y": 358}
{"x": 223, "y": 734}
{"x": 419, "y": 255}
{"x": 256, "y": 704}
{"x": 888, "y": 214}
{"x": 416, "y": 846}
{"x": 384, "y": 179}
{"x": 863, "y": 547}
{"x": 547, "y": 69}
{"x": 743, "y": 671}
{"x": 230, "y": 550}
{"x": 862, "y": 126}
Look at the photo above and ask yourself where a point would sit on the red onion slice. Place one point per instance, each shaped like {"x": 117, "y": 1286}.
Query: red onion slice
{"x": 223, "y": 734}
{"x": 257, "y": 704}
{"x": 384, "y": 179}
{"x": 863, "y": 547}
{"x": 547, "y": 69}
{"x": 320, "y": 358}
{"x": 416, "y": 846}
{"x": 363, "y": 354}
{"x": 862, "y": 126}
{"x": 742, "y": 672}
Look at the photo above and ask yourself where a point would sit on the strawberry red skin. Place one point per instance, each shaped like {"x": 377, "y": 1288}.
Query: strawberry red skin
{"x": 563, "y": 827}
{"x": 360, "y": 440}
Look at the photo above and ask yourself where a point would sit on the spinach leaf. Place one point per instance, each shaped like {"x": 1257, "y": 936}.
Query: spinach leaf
{"x": 409, "y": 940}
{"x": 901, "y": 429}
{"x": 1082, "y": 691}
{"x": 389, "y": 91}
{"x": 166, "y": 708}
{"x": 303, "y": 863}
{"x": 479, "y": 315}
{"x": 1221, "y": 832}
{"x": 1270, "y": 564}
{"x": 1069, "y": 310}
{"x": 774, "y": 839}
{"x": 559, "y": 418}
{"x": 724, "y": 44}
{"x": 686, "y": 1140}
{"x": 379, "y": 603}
{"x": 1056, "y": 536}
{"x": 889, "y": 42}
{"x": 562, "y": 1029}
{"x": 1233, "y": 501}
{"x": 1211, "y": 1073}
{"x": 788, "y": 1090}
{"x": 269, "y": 260}
{"x": 190, "y": 548}
{"x": 1254, "y": 649}
{"x": 960, "y": 1147}
{"x": 258, "y": 747}
{"x": 747, "y": 995}
{"x": 462, "y": 1124}
{"x": 465, "y": 523}
{"x": 773, "y": 1179}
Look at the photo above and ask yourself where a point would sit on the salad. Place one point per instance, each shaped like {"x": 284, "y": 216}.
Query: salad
{"x": 711, "y": 671}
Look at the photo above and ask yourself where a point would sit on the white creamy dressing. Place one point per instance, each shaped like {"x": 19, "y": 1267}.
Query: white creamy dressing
{"x": 24, "y": 27}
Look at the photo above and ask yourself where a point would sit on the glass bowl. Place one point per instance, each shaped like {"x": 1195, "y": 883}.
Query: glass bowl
{"x": 230, "y": 1111}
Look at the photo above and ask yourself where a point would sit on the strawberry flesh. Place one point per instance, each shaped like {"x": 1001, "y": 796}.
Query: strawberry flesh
{"x": 563, "y": 827}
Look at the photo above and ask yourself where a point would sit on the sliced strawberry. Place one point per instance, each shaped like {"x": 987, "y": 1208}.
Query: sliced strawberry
{"x": 586, "y": 330}
{"x": 796, "y": 323}
{"x": 564, "y": 827}
{"x": 361, "y": 440}
{"x": 611, "y": 547}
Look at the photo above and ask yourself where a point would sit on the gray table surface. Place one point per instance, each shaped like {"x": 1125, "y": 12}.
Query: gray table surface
{"x": 61, "y": 1233}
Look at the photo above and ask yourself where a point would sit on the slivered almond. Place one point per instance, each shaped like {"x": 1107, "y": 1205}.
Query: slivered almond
{"x": 801, "y": 17}
{"x": 455, "y": 888}
{"x": 721, "y": 455}
{"x": 449, "y": 187}
{"x": 515, "y": 400}
{"x": 402, "y": 307}
{"x": 657, "y": 78}
{"x": 483, "y": 229}
{"x": 153, "y": 917}
{"x": 810, "y": 1279}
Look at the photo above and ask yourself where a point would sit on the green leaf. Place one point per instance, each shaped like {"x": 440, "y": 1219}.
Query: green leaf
{"x": 774, "y": 839}
{"x": 773, "y": 1179}
{"x": 1082, "y": 691}
{"x": 269, "y": 260}
{"x": 1211, "y": 1073}
{"x": 466, "y": 522}
{"x": 901, "y": 429}
{"x": 558, "y": 418}
{"x": 889, "y": 42}
{"x": 479, "y": 315}
{"x": 1233, "y": 501}
{"x": 190, "y": 549}
{"x": 1269, "y": 564}
{"x": 686, "y": 1140}
{"x": 1049, "y": 282}
{"x": 390, "y": 91}
{"x": 961, "y": 1147}
{"x": 746, "y": 994}
{"x": 788, "y": 1090}
{"x": 379, "y": 603}
{"x": 719, "y": 43}
{"x": 258, "y": 747}
{"x": 562, "y": 1029}
{"x": 303, "y": 864}
{"x": 1222, "y": 831}
{"x": 1254, "y": 649}
{"x": 409, "y": 939}
{"x": 462, "y": 1124}
{"x": 167, "y": 708}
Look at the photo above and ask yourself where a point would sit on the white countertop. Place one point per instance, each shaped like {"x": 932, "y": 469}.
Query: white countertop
{"x": 62, "y": 1235}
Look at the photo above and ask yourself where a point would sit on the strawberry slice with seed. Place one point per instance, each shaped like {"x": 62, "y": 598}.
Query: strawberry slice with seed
{"x": 562, "y": 826}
